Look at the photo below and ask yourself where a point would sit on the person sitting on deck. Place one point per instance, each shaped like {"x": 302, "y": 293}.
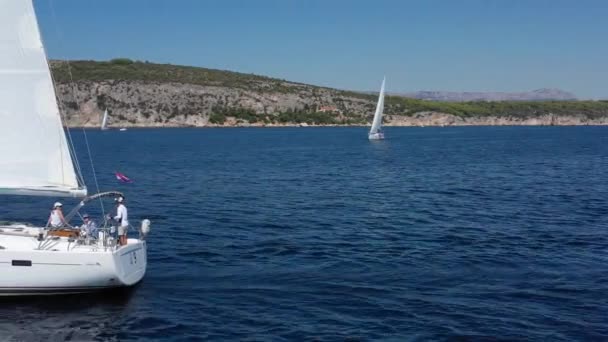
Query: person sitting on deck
{"x": 88, "y": 226}
{"x": 56, "y": 219}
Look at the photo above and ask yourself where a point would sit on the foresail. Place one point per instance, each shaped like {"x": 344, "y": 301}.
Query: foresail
{"x": 104, "y": 121}
{"x": 379, "y": 109}
{"x": 35, "y": 159}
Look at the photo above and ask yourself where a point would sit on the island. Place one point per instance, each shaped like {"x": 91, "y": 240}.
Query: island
{"x": 145, "y": 94}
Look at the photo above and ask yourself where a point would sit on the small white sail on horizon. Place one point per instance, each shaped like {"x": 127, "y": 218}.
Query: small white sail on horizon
{"x": 37, "y": 159}
{"x": 104, "y": 121}
{"x": 375, "y": 133}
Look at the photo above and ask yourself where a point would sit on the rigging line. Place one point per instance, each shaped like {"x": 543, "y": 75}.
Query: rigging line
{"x": 86, "y": 139}
{"x": 63, "y": 112}
{"x": 71, "y": 147}
{"x": 61, "y": 133}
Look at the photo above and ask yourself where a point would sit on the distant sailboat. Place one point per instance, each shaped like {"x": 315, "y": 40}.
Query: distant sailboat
{"x": 104, "y": 121}
{"x": 375, "y": 133}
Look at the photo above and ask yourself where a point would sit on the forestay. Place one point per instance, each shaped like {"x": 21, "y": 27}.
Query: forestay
{"x": 35, "y": 155}
{"x": 379, "y": 109}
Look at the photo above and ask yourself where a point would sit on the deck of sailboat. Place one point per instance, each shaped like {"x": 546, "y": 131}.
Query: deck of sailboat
{"x": 24, "y": 238}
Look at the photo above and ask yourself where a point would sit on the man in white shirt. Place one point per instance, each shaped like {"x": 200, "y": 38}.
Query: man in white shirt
{"x": 123, "y": 220}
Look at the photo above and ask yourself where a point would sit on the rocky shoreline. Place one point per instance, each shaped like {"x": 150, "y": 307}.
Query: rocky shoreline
{"x": 423, "y": 119}
{"x": 443, "y": 119}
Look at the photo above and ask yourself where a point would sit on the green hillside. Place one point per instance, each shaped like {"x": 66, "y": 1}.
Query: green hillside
{"x": 129, "y": 70}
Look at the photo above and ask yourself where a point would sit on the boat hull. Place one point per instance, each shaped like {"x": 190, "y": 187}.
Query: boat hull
{"x": 52, "y": 272}
{"x": 376, "y": 136}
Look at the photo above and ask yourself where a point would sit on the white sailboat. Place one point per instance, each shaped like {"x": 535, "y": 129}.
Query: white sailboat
{"x": 375, "y": 133}
{"x": 104, "y": 121}
{"x": 37, "y": 161}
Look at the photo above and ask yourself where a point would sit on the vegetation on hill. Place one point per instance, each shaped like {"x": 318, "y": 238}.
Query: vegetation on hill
{"x": 591, "y": 109}
{"x": 219, "y": 115}
{"x": 126, "y": 69}
{"x": 129, "y": 70}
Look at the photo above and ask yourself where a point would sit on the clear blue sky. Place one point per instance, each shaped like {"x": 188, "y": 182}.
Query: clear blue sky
{"x": 464, "y": 45}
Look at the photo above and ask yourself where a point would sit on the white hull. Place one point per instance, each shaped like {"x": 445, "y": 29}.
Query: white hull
{"x": 63, "y": 267}
{"x": 375, "y": 136}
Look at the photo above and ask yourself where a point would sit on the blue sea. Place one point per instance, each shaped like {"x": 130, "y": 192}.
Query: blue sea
{"x": 317, "y": 234}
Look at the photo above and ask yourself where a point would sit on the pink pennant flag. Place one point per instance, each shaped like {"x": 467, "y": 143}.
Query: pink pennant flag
{"x": 122, "y": 178}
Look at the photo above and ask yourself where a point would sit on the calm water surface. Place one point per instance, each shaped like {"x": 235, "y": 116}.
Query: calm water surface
{"x": 297, "y": 234}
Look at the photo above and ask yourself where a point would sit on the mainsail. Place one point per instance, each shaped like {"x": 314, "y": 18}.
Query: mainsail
{"x": 104, "y": 121}
{"x": 379, "y": 108}
{"x": 36, "y": 158}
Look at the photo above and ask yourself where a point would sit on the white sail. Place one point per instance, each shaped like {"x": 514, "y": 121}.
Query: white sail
{"x": 104, "y": 121}
{"x": 377, "y": 123}
{"x": 35, "y": 158}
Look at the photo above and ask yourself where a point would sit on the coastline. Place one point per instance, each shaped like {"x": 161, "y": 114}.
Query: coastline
{"x": 428, "y": 119}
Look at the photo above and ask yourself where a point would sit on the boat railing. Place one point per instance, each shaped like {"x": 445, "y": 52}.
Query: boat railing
{"x": 102, "y": 237}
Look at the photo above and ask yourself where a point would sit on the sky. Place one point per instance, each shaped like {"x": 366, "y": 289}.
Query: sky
{"x": 464, "y": 45}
